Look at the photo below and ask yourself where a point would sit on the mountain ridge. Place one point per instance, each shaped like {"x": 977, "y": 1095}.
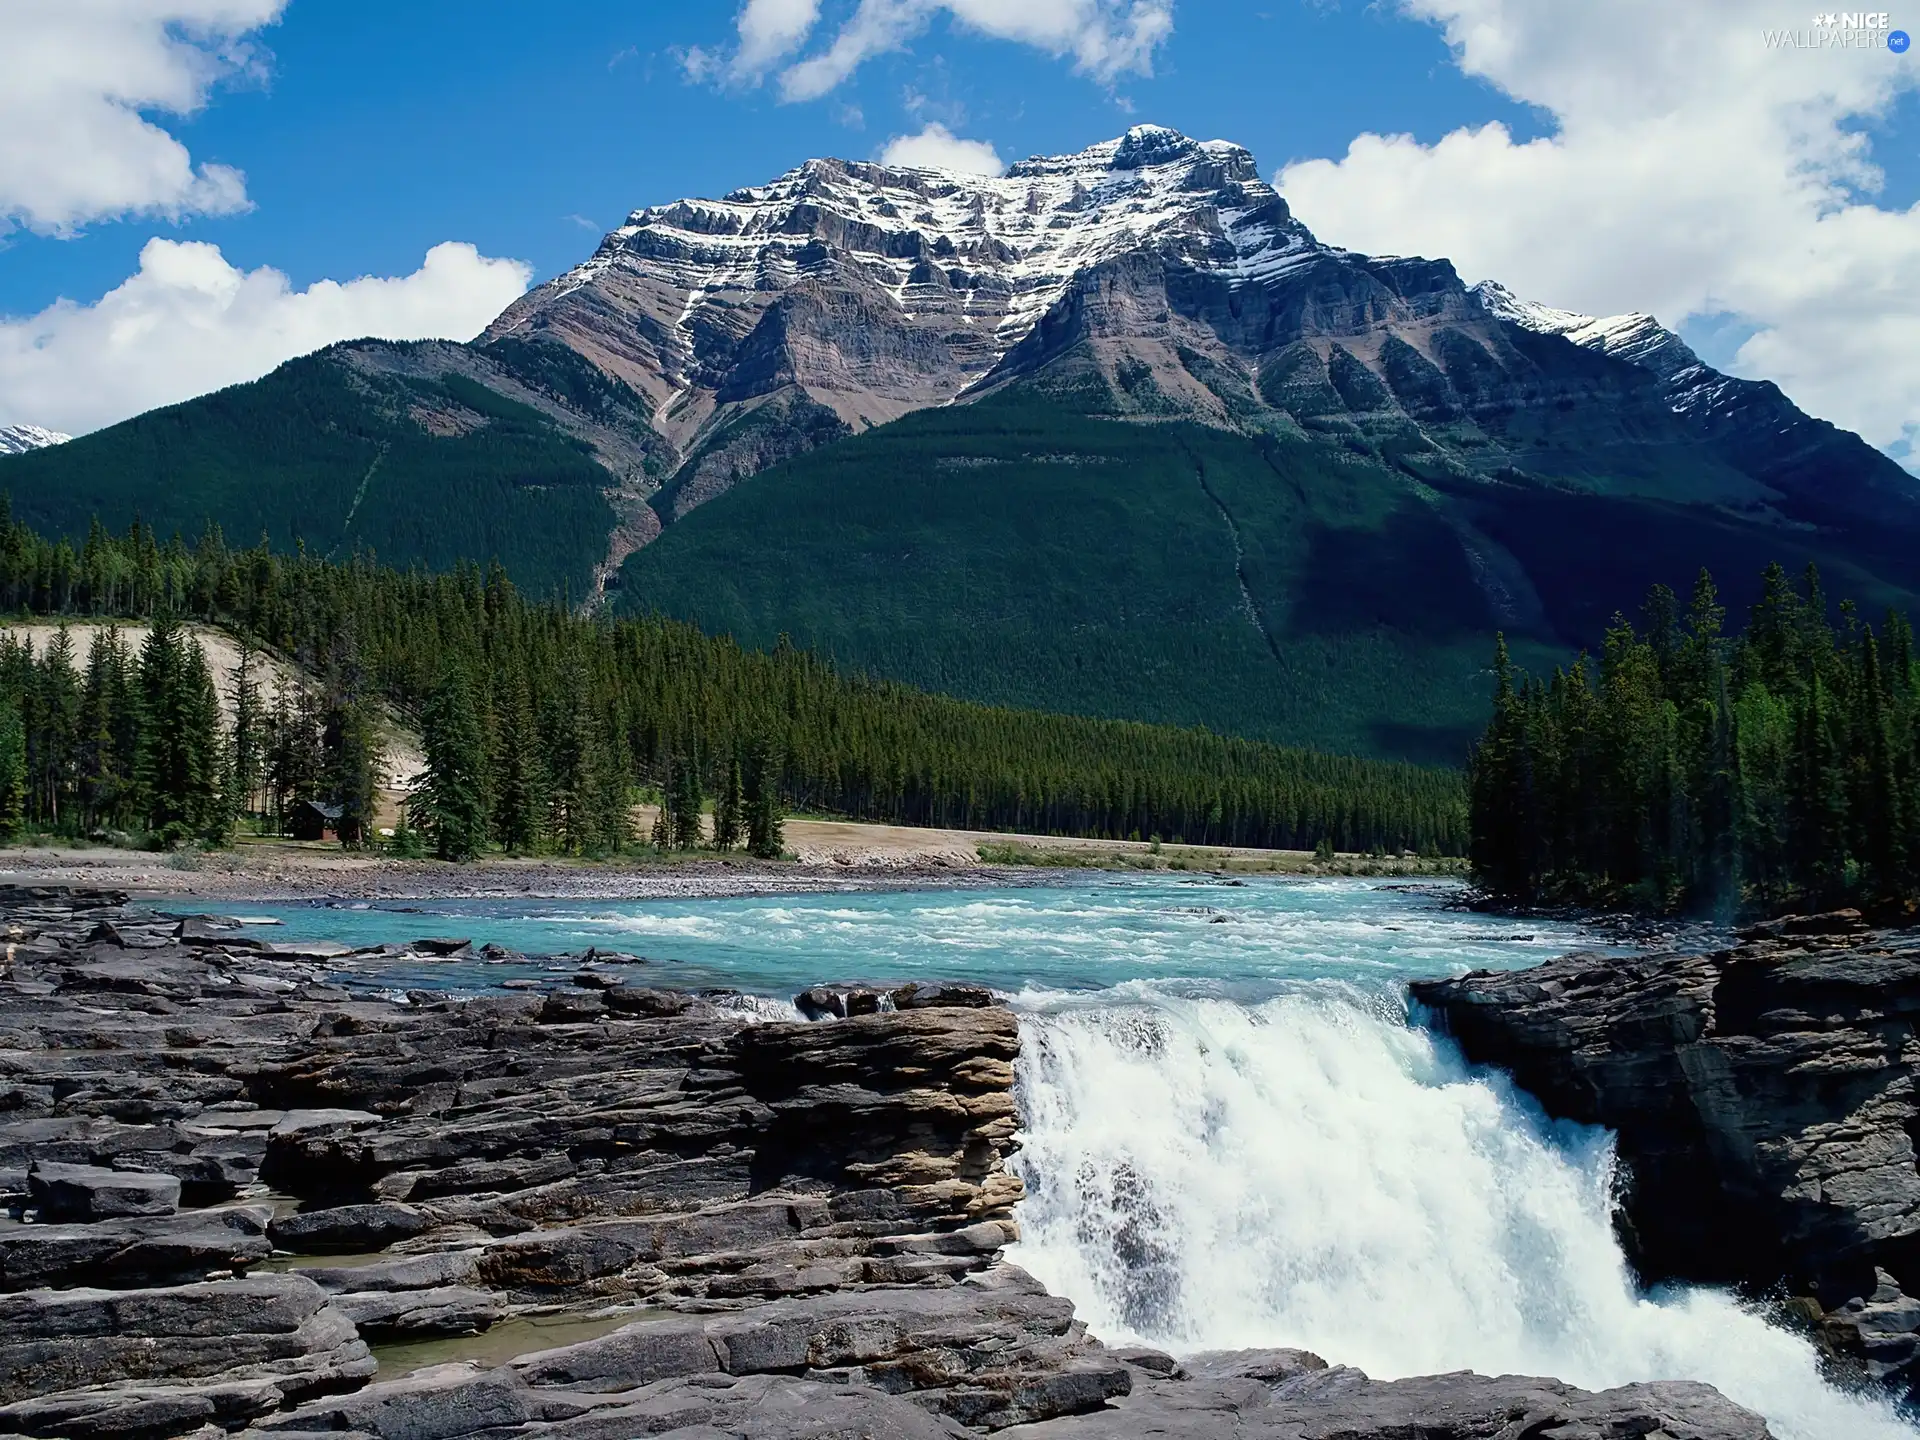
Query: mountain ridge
{"x": 701, "y": 419}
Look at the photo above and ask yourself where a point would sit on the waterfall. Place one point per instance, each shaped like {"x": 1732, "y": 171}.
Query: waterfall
{"x": 1313, "y": 1171}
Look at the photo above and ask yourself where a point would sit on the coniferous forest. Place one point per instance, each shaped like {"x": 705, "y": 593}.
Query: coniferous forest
{"x": 1720, "y": 774}
{"x": 541, "y": 728}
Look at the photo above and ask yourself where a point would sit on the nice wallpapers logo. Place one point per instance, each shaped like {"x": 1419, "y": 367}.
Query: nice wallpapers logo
{"x": 1843, "y": 30}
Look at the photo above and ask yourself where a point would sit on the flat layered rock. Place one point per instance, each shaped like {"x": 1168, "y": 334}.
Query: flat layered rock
{"x": 1343, "y": 1404}
{"x": 807, "y": 1220}
{"x": 279, "y": 1328}
{"x": 88, "y": 1192}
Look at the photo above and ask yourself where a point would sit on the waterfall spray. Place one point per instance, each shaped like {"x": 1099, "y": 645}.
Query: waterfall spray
{"x": 1314, "y": 1171}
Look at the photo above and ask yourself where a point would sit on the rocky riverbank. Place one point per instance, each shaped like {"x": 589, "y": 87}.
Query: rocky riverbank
{"x": 1764, "y": 1099}
{"x": 240, "y": 1193}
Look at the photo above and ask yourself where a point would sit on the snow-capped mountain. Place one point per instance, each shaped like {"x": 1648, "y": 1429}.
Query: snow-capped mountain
{"x": 878, "y": 289}
{"x": 1156, "y": 273}
{"x": 18, "y": 439}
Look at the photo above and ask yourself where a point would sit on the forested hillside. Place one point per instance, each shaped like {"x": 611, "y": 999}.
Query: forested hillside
{"x": 1286, "y": 585}
{"x": 562, "y": 718}
{"x": 1721, "y": 774}
{"x": 340, "y": 457}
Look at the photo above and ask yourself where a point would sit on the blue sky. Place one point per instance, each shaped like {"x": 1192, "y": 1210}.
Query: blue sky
{"x": 1603, "y": 157}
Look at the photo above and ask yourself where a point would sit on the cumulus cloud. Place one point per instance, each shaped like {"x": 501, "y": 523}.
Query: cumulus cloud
{"x": 1104, "y": 38}
{"x": 188, "y": 322}
{"x": 771, "y": 30}
{"x": 78, "y": 80}
{"x": 938, "y": 148}
{"x": 1694, "y": 170}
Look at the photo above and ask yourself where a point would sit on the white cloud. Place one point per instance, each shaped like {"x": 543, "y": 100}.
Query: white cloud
{"x": 938, "y": 148}
{"x": 771, "y": 30}
{"x": 1693, "y": 171}
{"x": 188, "y": 322}
{"x": 77, "y": 81}
{"x": 1104, "y": 38}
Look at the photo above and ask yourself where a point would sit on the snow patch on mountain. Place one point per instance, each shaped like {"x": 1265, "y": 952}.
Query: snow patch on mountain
{"x": 18, "y": 439}
{"x": 997, "y": 250}
{"x": 1639, "y": 339}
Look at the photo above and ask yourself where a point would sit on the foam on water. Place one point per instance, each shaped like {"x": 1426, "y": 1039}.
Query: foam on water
{"x": 1096, "y": 933}
{"x": 1313, "y": 1171}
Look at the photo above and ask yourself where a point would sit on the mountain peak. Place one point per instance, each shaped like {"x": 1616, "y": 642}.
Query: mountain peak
{"x": 958, "y": 267}
{"x": 18, "y": 439}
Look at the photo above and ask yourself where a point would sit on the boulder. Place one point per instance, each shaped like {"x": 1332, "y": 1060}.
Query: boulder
{"x": 277, "y": 1327}
{"x": 87, "y": 1192}
{"x": 640, "y": 1000}
{"x": 346, "y": 1228}
{"x": 1343, "y": 1404}
{"x": 135, "y": 1252}
{"x": 414, "y": 1314}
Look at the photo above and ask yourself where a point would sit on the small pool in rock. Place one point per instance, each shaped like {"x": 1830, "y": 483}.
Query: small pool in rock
{"x": 516, "y": 1335}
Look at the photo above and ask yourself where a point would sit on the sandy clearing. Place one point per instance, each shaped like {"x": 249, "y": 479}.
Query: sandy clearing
{"x": 274, "y": 675}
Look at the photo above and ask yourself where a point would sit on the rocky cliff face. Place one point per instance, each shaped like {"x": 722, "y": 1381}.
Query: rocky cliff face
{"x": 776, "y": 1229}
{"x": 1765, "y": 1104}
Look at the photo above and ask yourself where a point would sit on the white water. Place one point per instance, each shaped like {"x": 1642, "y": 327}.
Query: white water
{"x": 1312, "y": 1171}
{"x": 1235, "y": 1138}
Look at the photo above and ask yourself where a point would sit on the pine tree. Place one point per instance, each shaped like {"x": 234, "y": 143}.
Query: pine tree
{"x": 354, "y": 764}
{"x": 729, "y": 808}
{"x": 573, "y": 745}
{"x": 766, "y": 831}
{"x": 1876, "y": 803}
{"x": 1816, "y": 801}
{"x": 55, "y": 739}
{"x": 13, "y": 770}
{"x": 449, "y": 805}
{"x": 109, "y": 726}
{"x": 180, "y": 761}
{"x": 210, "y": 808}
{"x": 249, "y": 732}
{"x": 686, "y": 802}
{"x": 519, "y": 781}
{"x": 610, "y": 790}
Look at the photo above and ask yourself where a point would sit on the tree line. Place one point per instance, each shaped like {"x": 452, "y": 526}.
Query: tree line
{"x": 541, "y": 727}
{"x": 1689, "y": 769}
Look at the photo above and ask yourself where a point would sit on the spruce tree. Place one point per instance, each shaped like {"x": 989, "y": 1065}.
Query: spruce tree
{"x": 449, "y": 805}
{"x": 766, "y": 831}
{"x": 686, "y": 802}
{"x": 610, "y": 791}
{"x": 355, "y": 766}
{"x": 109, "y": 725}
{"x": 13, "y": 769}
{"x": 1816, "y": 801}
{"x": 249, "y": 732}
{"x": 729, "y": 808}
{"x": 519, "y": 780}
{"x": 210, "y": 809}
{"x": 55, "y": 740}
{"x": 573, "y": 743}
{"x": 164, "y": 766}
